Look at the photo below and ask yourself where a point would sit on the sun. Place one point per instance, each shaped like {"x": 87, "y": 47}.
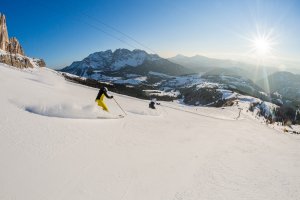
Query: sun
{"x": 262, "y": 46}
{"x": 262, "y": 43}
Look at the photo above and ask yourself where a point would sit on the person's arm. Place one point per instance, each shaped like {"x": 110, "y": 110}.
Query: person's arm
{"x": 110, "y": 97}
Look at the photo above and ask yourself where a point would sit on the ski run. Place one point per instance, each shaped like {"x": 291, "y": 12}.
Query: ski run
{"x": 55, "y": 143}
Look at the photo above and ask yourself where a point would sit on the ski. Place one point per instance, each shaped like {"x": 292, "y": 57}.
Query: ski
{"x": 111, "y": 117}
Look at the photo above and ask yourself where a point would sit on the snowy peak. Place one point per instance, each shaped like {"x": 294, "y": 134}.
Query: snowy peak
{"x": 119, "y": 60}
{"x": 124, "y": 57}
{"x": 112, "y": 61}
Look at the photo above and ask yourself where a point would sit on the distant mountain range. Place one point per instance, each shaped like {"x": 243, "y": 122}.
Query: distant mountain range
{"x": 200, "y": 63}
{"x": 181, "y": 77}
{"x": 213, "y": 66}
{"x": 284, "y": 83}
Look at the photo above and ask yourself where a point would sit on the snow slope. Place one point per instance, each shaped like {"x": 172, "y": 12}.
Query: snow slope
{"x": 53, "y": 146}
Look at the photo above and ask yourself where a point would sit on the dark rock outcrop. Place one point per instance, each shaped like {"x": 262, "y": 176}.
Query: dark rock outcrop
{"x": 40, "y": 62}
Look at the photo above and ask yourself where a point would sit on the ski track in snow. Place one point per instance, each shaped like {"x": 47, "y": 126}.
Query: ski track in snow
{"x": 48, "y": 151}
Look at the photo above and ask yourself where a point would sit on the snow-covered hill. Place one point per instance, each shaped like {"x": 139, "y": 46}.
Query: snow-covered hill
{"x": 56, "y": 144}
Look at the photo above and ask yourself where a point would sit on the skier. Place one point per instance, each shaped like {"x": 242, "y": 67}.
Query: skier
{"x": 100, "y": 98}
{"x": 152, "y": 103}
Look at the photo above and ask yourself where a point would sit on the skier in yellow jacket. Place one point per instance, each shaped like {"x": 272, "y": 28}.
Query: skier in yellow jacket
{"x": 100, "y": 98}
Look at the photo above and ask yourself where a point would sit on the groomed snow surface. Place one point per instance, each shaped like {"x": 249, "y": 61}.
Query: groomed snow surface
{"x": 56, "y": 144}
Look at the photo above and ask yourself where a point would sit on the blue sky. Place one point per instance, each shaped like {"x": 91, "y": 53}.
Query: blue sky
{"x": 68, "y": 30}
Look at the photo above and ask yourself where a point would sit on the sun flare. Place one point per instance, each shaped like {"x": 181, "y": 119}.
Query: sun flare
{"x": 262, "y": 43}
{"x": 262, "y": 46}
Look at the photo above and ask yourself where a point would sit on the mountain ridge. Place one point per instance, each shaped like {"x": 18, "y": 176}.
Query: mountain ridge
{"x": 109, "y": 61}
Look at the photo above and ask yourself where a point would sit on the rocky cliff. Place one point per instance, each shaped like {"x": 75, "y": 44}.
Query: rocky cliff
{"x": 11, "y": 51}
{"x": 4, "y": 40}
{"x": 15, "y": 47}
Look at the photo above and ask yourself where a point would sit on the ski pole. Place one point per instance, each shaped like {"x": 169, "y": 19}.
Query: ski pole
{"x": 120, "y": 106}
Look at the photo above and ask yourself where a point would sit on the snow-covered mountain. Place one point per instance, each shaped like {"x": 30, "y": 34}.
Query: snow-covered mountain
{"x": 286, "y": 84}
{"x": 123, "y": 60}
{"x": 55, "y": 143}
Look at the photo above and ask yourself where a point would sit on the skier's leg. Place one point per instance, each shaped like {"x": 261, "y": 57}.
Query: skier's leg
{"x": 99, "y": 103}
{"x": 103, "y": 105}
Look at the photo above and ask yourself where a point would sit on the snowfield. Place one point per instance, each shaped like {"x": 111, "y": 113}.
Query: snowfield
{"x": 55, "y": 144}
